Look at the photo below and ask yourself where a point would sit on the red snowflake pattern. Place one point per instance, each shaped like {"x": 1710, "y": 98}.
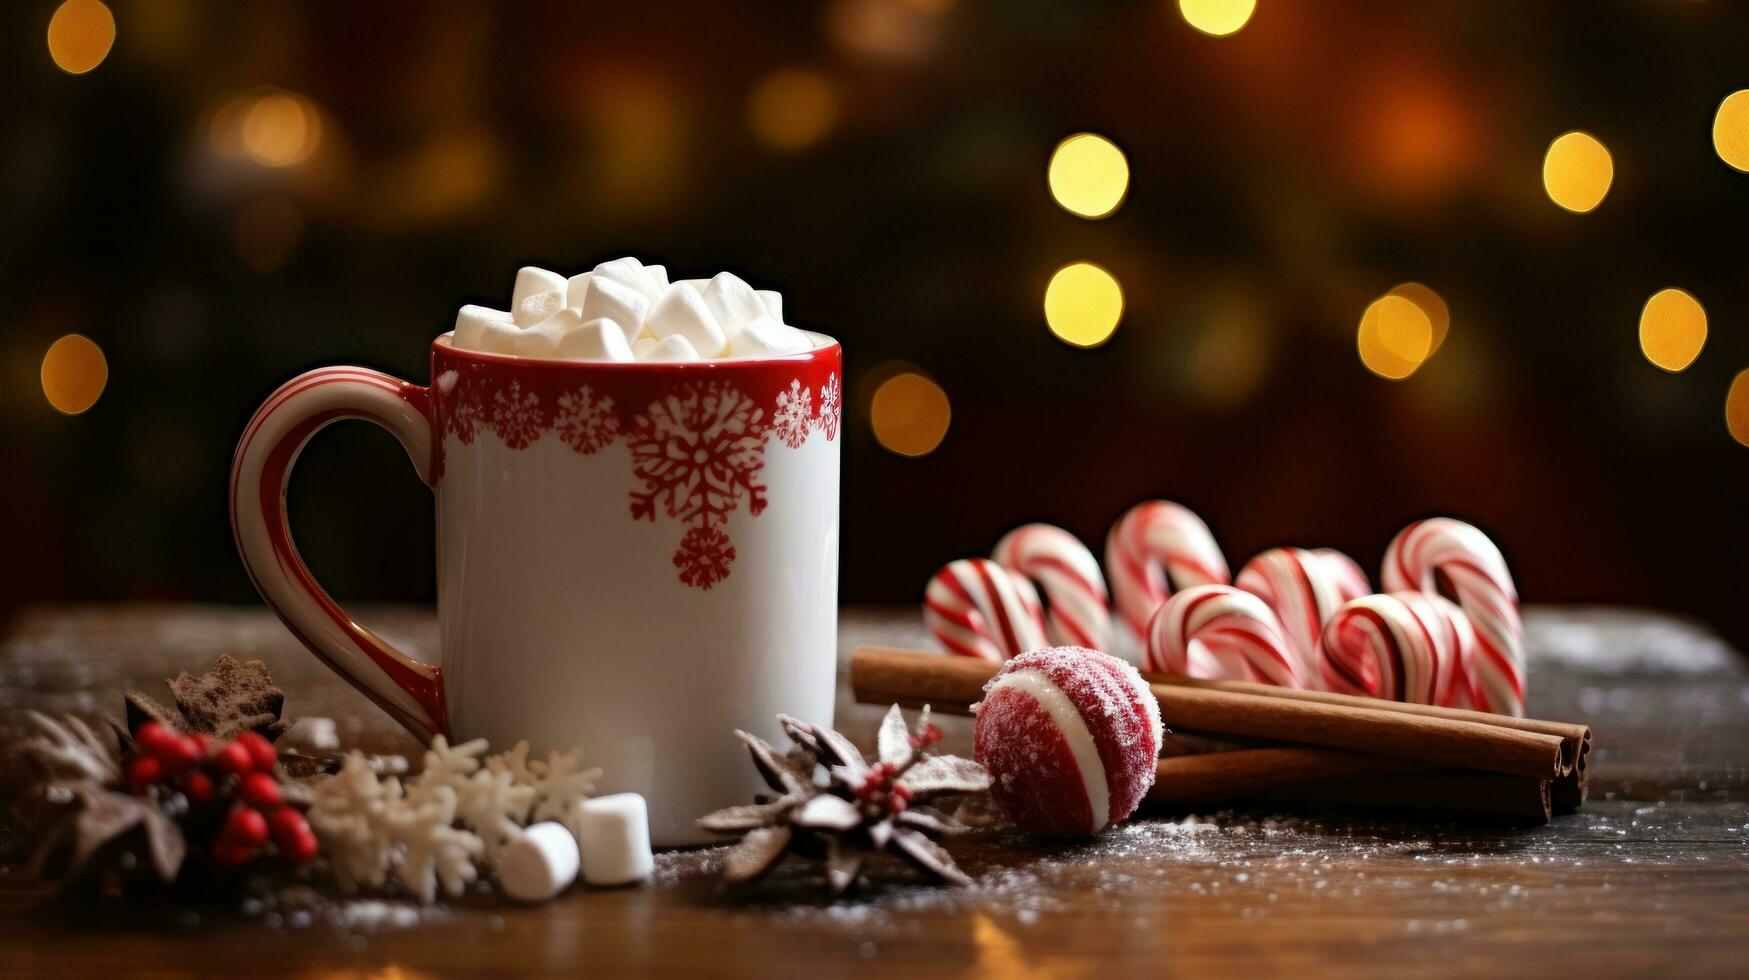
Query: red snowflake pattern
{"x": 698, "y": 451}
{"x": 516, "y": 416}
{"x": 792, "y": 418}
{"x": 464, "y": 411}
{"x": 586, "y": 421}
{"x": 704, "y": 557}
{"x": 831, "y": 406}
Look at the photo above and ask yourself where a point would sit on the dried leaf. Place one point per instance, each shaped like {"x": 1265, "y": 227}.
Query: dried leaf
{"x": 142, "y": 709}
{"x": 772, "y": 767}
{"x": 750, "y": 816}
{"x": 68, "y": 750}
{"x": 930, "y": 821}
{"x": 928, "y": 856}
{"x": 894, "y": 740}
{"x": 229, "y": 699}
{"x": 106, "y": 816}
{"x": 945, "y": 774}
{"x": 843, "y": 864}
{"x": 756, "y": 854}
{"x": 826, "y": 812}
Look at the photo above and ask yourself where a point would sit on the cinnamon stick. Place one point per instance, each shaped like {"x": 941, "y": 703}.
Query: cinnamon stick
{"x": 1338, "y": 778}
{"x": 884, "y": 675}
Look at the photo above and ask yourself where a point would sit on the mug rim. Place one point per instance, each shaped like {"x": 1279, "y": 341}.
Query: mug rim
{"x": 443, "y": 344}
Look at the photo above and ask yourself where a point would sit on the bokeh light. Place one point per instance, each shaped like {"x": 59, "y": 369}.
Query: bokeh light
{"x": 1672, "y": 329}
{"x": 1217, "y": 17}
{"x": 792, "y": 109}
{"x": 1395, "y": 337}
{"x": 1577, "y": 171}
{"x": 1432, "y": 304}
{"x": 81, "y": 32}
{"x": 910, "y": 414}
{"x": 1089, "y": 175}
{"x": 1083, "y": 304}
{"x": 280, "y": 129}
{"x": 73, "y": 374}
{"x": 1737, "y": 408}
{"x": 1731, "y": 130}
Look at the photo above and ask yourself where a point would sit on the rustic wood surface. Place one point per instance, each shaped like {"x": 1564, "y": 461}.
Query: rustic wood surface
{"x": 1652, "y": 876}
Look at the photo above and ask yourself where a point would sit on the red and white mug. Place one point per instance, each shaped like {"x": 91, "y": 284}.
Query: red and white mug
{"x": 632, "y": 558}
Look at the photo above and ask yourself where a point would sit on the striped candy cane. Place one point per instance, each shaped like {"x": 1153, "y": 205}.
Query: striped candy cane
{"x": 977, "y": 608}
{"x": 1404, "y": 646}
{"x": 1218, "y": 632}
{"x": 1056, "y": 561}
{"x": 1304, "y": 588}
{"x": 1154, "y": 550}
{"x": 1479, "y": 580}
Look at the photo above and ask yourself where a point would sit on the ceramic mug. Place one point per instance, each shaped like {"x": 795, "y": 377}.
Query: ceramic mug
{"x": 636, "y": 559}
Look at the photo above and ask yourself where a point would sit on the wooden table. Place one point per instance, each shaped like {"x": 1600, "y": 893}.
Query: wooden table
{"x": 1652, "y": 876}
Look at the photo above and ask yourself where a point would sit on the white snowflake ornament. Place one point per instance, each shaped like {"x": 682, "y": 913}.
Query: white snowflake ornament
{"x": 434, "y": 851}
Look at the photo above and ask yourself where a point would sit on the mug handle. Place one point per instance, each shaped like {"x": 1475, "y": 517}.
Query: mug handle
{"x": 410, "y": 691}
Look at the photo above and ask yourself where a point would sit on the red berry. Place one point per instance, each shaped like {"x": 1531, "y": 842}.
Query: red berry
{"x": 259, "y": 790}
{"x": 897, "y": 804}
{"x": 179, "y": 753}
{"x": 301, "y": 849}
{"x": 144, "y": 772}
{"x": 229, "y": 852}
{"x": 152, "y": 737}
{"x": 203, "y": 743}
{"x": 245, "y": 826}
{"x": 261, "y": 752}
{"x": 903, "y": 793}
{"x": 287, "y": 822}
{"x": 234, "y": 759}
{"x": 199, "y": 788}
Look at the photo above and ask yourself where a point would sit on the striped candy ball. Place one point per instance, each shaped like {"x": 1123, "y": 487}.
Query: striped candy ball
{"x": 1070, "y": 737}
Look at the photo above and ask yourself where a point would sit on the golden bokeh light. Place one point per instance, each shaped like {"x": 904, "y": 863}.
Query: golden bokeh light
{"x": 1672, "y": 329}
{"x": 1089, "y": 175}
{"x": 1432, "y": 304}
{"x": 81, "y": 32}
{"x": 280, "y": 129}
{"x": 1395, "y": 337}
{"x": 792, "y": 109}
{"x": 73, "y": 374}
{"x": 1217, "y": 17}
{"x": 1083, "y": 304}
{"x": 1731, "y": 130}
{"x": 1577, "y": 171}
{"x": 910, "y": 414}
{"x": 1737, "y": 408}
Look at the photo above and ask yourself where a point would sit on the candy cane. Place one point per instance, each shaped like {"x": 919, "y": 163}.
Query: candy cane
{"x": 1221, "y": 633}
{"x": 1304, "y": 588}
{"x": 1482, "y": 586}
{"x": 1404, "y": 646}
{"x": 977, "y": 608}
{"x": 1154, "y": 550}
{"x": 1060, "y": 565}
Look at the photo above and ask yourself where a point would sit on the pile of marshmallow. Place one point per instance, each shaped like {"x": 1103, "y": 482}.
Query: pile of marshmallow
{"x": 624, "y": 310}
{"x": 1293, "y": 617}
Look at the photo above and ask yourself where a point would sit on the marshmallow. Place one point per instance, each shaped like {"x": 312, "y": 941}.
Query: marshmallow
{"x": 597, "y": 340}
{"x": 542, "y": 339}
{"x": 531, "y": 281}
{"x": 682, "y": 311}
{"x": 773, "y": 301}
{"x": 631, "y": 272}
{"x": 642, "y": 347}
{"x": 613, "y": 835}
{"x": 675, "y": 348}
{"x": 538, "y": 863}
{"x": 733, "y": 302}
{"x": 614, "y": 300}
{"x": 471, "y": 323}
{"x": 577, "y": 289}
{"x": 659, "y": 273}
{"x": 766, "y": 337}
{"x": 538, "y": 307}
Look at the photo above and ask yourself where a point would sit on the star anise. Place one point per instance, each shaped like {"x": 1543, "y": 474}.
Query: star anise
{"x": 233, "y": 697}
{"x": 831, "y": 804}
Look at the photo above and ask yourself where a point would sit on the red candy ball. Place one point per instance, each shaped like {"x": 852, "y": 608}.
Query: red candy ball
{"x": 1070, "y": 737}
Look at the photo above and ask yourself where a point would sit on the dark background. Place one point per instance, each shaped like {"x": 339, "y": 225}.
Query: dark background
{"x": 1281, "y": 178}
